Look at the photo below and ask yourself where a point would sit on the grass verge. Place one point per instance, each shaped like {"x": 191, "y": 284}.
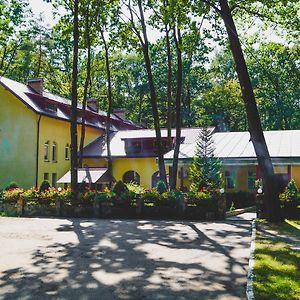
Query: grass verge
{"x": 277, "y": 265}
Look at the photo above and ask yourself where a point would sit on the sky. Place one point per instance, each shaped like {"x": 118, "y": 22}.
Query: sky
{"x": 40, "y": 6}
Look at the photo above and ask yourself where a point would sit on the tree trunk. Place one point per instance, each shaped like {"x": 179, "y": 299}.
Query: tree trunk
{"x": 153, "y": 98}
{"x": 86, "y": 85}
{"x": 109, "y": 110}
{"x": 74, "y": 158}
{"x": 178, "y": 43}
{"x": 255, "y": 129}
{"x": 169, "y": 87}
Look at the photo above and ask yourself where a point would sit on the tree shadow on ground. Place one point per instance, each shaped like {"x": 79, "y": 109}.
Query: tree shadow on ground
{"x": 130, "y": 259}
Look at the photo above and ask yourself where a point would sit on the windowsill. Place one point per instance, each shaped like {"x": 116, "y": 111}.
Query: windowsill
{"x": 46, "y": 160}
{"x": 67, "y": 158}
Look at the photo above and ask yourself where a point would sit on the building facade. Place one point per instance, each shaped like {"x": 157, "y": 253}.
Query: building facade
{"x": 35, "y": 132}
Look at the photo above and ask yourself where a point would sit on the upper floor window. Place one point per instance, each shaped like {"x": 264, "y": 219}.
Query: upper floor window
{"x": 133, "y": 146}
{"x": 230, "y": 179}
{"x": 46, "y": 151}
{"x": 67, "y": 152}
{"x": 54, "y": 152}
{"x": 51, "y": 107}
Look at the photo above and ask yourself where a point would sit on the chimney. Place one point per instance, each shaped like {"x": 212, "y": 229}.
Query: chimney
{"x": 93, "y": 104}
{"x": 36, "y": 84}
{"x": 120, "y": 112}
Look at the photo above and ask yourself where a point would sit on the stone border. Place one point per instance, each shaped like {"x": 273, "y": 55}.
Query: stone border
{"x": 250, "y": 275}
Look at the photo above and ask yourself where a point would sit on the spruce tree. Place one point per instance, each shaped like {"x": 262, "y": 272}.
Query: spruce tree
{"x": 205, "y": 171}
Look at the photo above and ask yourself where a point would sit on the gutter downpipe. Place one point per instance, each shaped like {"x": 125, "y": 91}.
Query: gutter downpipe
{"x": 37, "y": 152}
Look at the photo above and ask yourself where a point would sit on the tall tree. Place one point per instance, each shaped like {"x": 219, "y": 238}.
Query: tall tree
{"x": 144, "y": 43}
{"x": 255, "y": 129}
{"x": 74, "y": 147}
{"x": 87, "y": 42}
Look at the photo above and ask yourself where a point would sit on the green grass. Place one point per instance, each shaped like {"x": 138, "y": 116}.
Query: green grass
{"x": 277, "y": 266}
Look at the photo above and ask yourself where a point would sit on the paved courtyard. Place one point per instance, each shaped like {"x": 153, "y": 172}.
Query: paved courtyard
{"x": 123, "y": 259}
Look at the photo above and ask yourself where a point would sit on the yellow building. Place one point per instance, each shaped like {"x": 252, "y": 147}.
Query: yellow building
{"x": 35, "y": 132}
{"x": 134, "y": 157}
{"x": 35, "y": 142}
{"x": 239, "y": 164}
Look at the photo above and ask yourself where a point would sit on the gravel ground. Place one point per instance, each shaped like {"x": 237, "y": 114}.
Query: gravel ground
{"x": 44, "y": 258}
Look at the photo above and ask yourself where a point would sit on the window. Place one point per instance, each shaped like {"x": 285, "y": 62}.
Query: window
{"x": 133, "y": 146}
{"x": 230, "y": 179}
{"x": 54, "y": 152}
{"x": 67, "y": 152}
{"x": 251, "y": 180}
{"x": 131, "y": 176}
{"x": 46, "y": 176}
{"x": 46, "y": 151}
{"x": 155, "y": 179}
{"x": 54, "y": 179}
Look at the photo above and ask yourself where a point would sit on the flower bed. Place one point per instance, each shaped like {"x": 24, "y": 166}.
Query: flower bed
{"x": 133, "y": 202}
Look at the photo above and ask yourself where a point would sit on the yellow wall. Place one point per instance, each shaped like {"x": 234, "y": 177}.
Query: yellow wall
{"x": 295, "y": 174}
{"x": 281, "y": 169}
{"x": 58, "y": 131}
{"x": 145, "y": 167}
{"x": 18, "y": 129}
{"x": 95, "y": 162}
{"x": 241, "y": 177}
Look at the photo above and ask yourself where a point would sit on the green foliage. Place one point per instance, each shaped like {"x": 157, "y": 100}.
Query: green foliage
{"x": 12, "y": 185}
{"x": 291, "y": 193}
{"x": 83, "y": 187}
{"x": 45, "y": 185}
{"x": 12, "y": 195}
{"x": 120, "y": 188}
{"x": 161, "y": 187}
{"x": 104, "y": 196}
{"x": 151, "y": 196}
{"x": 205, "y": 171}
{"x": 135, "y": 188}
{"x": 276, "y": 260}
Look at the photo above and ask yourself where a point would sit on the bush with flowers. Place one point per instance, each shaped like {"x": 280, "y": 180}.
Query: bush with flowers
{"x": 12, "y": 195}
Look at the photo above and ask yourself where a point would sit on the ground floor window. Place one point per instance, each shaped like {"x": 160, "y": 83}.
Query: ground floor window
{"x": 230, "y": 179}
{"x": 251, "y": 180}
{"x": 155, "y": 179}
{"x": 46, "y": 176}
{"x": 54, "y": 179}
{"x": 131, "y": 176}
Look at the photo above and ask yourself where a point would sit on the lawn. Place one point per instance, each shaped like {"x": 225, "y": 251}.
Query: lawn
{"x": 277, "y": 262}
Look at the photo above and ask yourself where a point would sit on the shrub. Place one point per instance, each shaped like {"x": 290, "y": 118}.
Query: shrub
{"x": 161, "y": 187}
{"x": 31, "y": 194}
{"x": 151, "y": 197}
{"x": 83, "y": 187}
{"x": 120, "y": 188}
{"x": 87, "y": 195}
{"x": 135, "y": 188}
{"x": 104, "y": 196}
{"x": 12, "y": 195}
{"x": 47, "y": 196}
{"x": 12, "y": 185}
{"x": 65, "y": 195}
{"x": 45, "y": 185}
{"x": 1, "y": 195}
{"x": 168, "y": 198}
